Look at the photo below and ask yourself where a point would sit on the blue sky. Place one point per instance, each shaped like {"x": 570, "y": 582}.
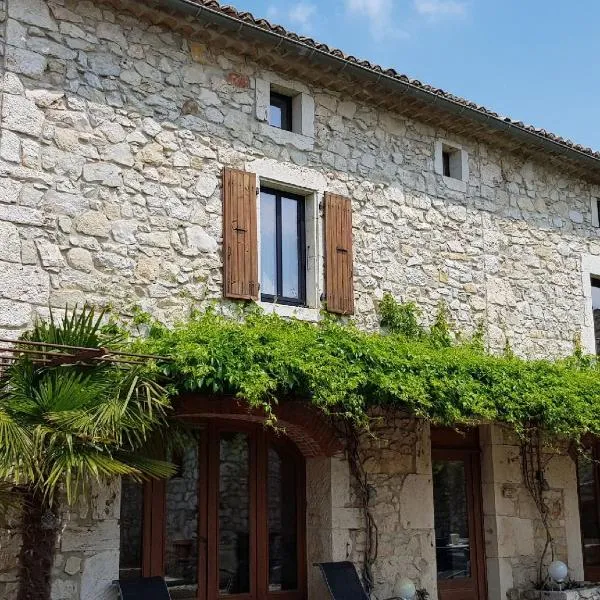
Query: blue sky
{"x": 533, "y": 60}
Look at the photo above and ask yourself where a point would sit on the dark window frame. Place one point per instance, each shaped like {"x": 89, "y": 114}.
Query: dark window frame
{"x": 597, "y": 213}
{"x": 278, "y": 297}
{"x": 284, "y": 104}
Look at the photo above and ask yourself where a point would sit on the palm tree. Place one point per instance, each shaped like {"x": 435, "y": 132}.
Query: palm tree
{"x": 64, "y": 426}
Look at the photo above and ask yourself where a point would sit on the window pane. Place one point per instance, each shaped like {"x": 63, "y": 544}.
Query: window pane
{"x": 289, "y": 248}
{"x": 234, "y": 514}
{"x": 132, "y": 515}
{"x": 268, "y": 245}
{"x": 283, "y": 534}
{"x": 181, "y": 546}
{"x": 446, "y": 163}
{"x": 588, "y": 510}
{"x": 275, "y": 115}
{"x": 596, "y": 309}
{"x": 453, "y": 549}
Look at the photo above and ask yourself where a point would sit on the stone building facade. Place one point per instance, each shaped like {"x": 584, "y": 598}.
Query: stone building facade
{"x": 117, "y": 121}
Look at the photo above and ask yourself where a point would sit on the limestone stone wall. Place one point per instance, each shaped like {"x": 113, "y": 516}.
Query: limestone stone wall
{"x": 113, "y": 135}
{"x": 513, "y": 528}
{"x": 397, "y": 461}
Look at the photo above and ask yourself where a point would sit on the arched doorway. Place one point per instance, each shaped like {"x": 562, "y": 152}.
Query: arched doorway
{"x": 232, "y": 522}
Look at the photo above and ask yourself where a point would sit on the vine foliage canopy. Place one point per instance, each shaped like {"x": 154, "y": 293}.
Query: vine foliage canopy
{"x": 430, "y": 372}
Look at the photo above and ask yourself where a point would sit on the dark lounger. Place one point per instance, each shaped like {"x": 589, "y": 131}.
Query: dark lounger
{"x": 343, "y": 582}
{"x": 146, "y": 588}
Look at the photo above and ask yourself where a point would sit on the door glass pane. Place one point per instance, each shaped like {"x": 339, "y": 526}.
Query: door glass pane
{"x": 453, "y": 548}
{"x": 234, "y": 514}
{"x": 289, "y": 248}
{"x": 588, "y": 510}
{"x": 282, "y": 517}
{"x": 268, "y": 245}
{"x": 132, "y": 514}
{"x": 596, "y": 311}
{"x": 181, "y": 542}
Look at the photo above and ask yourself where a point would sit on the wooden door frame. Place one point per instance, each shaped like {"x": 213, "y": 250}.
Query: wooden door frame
{"x": 154, "y": 520}
{"x": 451, "y": 445}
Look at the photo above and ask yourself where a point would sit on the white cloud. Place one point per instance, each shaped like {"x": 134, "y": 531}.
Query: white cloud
{"x": 302, "y": 13}
{"x": 379, "y": 15}
{"x": 440, "y": 8}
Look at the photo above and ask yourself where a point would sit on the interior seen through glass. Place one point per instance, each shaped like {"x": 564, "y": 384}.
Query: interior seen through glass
{"x": 289, "y": 248}
{"x": 280, "y": 261}
{"x": 131, "y": 522}
{"x": 588, "y": 510}
{"x": 282, "y": 507}
{"x": 596, "y": 311}
{"x": 275, "y": 116}
{"x": 181, "y": 531}
{"x": 268, "y": 244}
{"x": 453, "y": 546}
{"x": 234, "y": 514}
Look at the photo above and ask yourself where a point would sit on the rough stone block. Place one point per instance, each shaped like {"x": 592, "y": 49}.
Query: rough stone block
{"x": 416, "y": 502}
{"x": 198, "y": 239}
{"x": 105, "y": 173}
{"x": 10, "y": 243}
{"x": 26, "y": 62}
{"x": 34, "y": 12}
{"x": 49, "y": 254}
{"x": 93, "y": 223}
{"x": 21, "y": 115}
{"x": 14, "y": 315}
{"x": 24, "y": 283}
{"x": 99, "y": 571}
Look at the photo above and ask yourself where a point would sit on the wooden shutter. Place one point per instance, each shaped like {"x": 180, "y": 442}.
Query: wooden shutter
{"x": 338, "y": 254}
{"x": 240, "y": 247}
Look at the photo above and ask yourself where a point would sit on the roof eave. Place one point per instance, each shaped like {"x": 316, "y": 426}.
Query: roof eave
{"x": 214, "y": 17}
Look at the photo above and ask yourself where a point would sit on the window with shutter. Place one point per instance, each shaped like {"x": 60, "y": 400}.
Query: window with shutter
{"x": 338, "y": 254}
{"x": 240, "y": 247}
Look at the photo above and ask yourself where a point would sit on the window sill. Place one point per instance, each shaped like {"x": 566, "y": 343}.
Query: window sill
{"x": 282, "y": 136}
{"x": 455, "y": 184}
{"x": 302, "y": 313}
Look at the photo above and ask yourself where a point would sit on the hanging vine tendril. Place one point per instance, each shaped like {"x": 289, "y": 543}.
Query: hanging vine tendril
{"x": 533, "y": 467}
{"x": 364, "y": 493}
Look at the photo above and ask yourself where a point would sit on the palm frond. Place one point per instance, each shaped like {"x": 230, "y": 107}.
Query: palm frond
{"x": 69, "y": 425}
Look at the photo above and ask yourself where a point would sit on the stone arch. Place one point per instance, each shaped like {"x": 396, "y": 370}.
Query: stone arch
{"x": 306, "y": 426}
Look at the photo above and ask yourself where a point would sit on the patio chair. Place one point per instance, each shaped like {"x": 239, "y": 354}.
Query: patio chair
{"x": 145, "y": 588}
{"x": 343, "y": 582}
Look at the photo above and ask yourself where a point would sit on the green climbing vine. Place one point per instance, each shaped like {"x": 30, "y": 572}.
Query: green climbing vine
{"x": 432, "y": 372}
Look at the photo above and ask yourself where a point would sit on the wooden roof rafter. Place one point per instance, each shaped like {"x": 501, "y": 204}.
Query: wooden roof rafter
{"x": 54, "y": 355}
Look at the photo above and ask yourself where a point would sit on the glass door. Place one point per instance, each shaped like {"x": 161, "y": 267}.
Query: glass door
{"x": 229, "y": 525}
{"x": 589, "y": 508}
{"x": 458, "y": 524}
{"x": 255, "y": 516}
